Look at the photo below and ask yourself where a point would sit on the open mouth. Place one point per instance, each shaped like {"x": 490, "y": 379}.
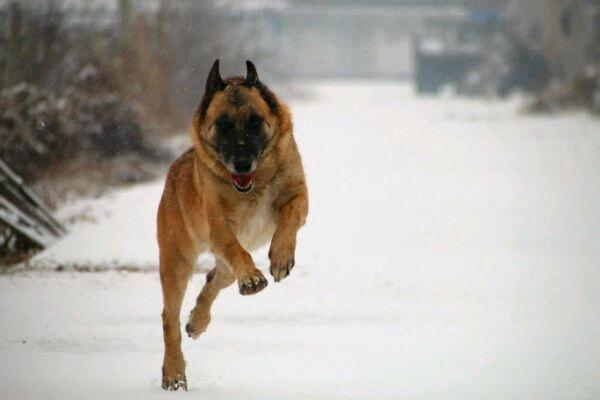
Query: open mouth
{"x": 243, "y": 183}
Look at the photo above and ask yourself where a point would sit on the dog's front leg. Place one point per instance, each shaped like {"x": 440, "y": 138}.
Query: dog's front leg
{"x": 225, "y": 245}
{"x": 291, "y": 217}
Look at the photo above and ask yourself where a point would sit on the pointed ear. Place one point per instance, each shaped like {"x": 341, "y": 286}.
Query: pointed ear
{"x": 251, "y": 75}
{"x": 214, "y": 82}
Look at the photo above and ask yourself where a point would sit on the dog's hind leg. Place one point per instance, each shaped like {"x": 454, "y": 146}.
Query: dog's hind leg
{"x": 218, "y": 278}
{"x": 175, "y": 271}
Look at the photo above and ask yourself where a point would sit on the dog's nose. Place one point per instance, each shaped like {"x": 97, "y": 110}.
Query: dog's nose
{"x": 242, "y": 165}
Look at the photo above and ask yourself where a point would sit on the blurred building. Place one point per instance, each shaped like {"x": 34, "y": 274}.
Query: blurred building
{"x": 367, "y": 39}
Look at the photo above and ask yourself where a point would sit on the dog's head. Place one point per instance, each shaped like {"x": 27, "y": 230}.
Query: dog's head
{"x": 237, "y": 124}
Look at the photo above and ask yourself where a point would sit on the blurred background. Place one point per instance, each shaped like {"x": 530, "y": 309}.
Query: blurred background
{"x": 100, "y": 79}
{"x": 462, "y": 135}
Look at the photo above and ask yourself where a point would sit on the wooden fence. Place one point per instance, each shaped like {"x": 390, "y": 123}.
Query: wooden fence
{"x": 24, "y": 213}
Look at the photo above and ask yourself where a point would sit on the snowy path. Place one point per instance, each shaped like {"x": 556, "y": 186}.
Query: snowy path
{"x": 451, "y": 253}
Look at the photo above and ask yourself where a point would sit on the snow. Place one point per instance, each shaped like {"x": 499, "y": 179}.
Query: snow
{"x": 116, "y": 230}
{"x": 450, "y": 253}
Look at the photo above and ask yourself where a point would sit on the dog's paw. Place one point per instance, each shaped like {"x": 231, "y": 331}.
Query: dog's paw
{"x": 174, "y": 384}
{"x": 281, "y": 268}
{"x": 197, "y": 325}
{"x": 281, "y": 255}
{"x": 252, "y": 283}
{"x": 282, "y": 260}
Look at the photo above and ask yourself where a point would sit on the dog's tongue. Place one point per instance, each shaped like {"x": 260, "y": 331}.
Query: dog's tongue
{"x": 243, "y": 180}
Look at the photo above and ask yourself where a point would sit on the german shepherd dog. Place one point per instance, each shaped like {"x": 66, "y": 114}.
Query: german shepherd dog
{"x": 241, "y": 185}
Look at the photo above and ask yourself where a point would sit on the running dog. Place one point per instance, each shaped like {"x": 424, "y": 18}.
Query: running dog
{"x": 239, "y": 187}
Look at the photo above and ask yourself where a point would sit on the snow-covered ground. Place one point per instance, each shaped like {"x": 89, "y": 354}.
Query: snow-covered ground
{"x": 451, "y": 252}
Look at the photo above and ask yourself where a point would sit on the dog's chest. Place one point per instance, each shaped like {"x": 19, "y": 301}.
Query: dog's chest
{"x": 256, "y": 224}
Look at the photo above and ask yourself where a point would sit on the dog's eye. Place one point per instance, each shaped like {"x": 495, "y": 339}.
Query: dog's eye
{"x": 224, "y": 124}
{"x": 254, "y": 121}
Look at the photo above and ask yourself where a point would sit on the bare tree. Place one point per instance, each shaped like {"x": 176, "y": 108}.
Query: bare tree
{"x": 14, "y": 44}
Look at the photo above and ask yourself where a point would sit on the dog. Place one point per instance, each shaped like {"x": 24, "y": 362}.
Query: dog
{"x": 240, "y": 186}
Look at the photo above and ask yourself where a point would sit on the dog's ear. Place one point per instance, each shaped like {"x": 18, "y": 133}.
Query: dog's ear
{"x": 214, "y": 82}
{"x": 251, "y": 74}
{"x": 252, "y": 81}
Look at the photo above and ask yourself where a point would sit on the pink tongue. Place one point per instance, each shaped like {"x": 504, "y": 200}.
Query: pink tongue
{"x": 242, "y": 180}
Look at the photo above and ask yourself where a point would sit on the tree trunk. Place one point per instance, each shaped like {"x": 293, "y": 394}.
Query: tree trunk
{"x": 13, "y": 73}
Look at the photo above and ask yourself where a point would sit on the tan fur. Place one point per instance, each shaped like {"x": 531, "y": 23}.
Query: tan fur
{"x": 201, "y": 211}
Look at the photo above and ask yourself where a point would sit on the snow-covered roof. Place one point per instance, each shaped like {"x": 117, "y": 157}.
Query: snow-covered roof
{"x": 253, "y": 5}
